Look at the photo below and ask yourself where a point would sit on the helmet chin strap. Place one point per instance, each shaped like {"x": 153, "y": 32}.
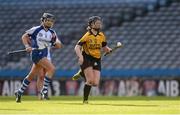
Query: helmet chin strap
{"x": 97, "y": 29}
{"x": 46, "y": 26}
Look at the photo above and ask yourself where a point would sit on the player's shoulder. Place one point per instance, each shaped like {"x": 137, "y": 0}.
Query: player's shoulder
{"x": 35, "y": 27}
{"x": 52, "y": 30}
{"x": 101, "y": 34}
{"x": 87, "y": 34}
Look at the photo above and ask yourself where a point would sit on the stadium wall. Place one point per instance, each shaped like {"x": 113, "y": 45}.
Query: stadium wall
{"x": 20, "y": 74}
{"x": 131, "y": 82}
{"x": 108, "y": 87}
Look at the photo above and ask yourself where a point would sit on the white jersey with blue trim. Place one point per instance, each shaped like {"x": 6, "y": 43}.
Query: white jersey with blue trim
{"x": 40, "y": 38}
{"x": 49, "y": 54}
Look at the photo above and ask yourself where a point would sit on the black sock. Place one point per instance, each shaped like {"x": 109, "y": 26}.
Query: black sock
{"x": 87, "y": 89}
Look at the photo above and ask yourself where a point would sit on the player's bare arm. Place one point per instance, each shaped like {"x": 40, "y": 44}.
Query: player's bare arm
{"x": 58, "y": 44}
{"x": 79, "y": 54}
{"x": 25, "y": 40}
{"x": 106, "y": 49}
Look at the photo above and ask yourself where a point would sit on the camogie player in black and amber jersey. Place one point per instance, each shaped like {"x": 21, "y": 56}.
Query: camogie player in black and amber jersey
{"x": 88, "y": 50}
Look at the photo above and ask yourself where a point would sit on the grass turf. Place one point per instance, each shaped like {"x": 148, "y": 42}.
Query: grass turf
{"x": 97, "y": 105}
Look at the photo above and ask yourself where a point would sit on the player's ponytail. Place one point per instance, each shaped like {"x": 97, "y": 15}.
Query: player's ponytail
{"x": 88, "y": 28}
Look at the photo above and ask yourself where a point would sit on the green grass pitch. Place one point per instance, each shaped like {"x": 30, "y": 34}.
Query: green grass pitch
{"x": 97, "y": 105}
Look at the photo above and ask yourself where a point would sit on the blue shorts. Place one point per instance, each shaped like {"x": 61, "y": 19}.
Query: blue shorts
{"x": 37, "y": 55}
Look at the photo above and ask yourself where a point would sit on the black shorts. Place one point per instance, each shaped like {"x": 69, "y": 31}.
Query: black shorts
{"x": 90, "y": 61}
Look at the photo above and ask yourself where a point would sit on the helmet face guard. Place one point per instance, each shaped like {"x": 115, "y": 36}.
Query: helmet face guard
{"x": 93, "y": 19}
{"x": 47, "y": 20}
{"x": 47, "y": 16}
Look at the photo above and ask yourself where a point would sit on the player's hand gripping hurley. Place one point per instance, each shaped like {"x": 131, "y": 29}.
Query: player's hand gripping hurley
{"x": 118, "y": 45}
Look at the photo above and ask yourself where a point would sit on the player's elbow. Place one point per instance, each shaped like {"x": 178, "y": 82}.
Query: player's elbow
{"x": 105, "y": 50}
{"x": 25, "y": 39}
{"x": 76, "y": 48}
{"x": 58, "y": 45}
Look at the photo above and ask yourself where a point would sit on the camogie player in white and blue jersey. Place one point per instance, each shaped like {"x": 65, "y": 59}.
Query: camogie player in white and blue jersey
{"x": 41, "y": 37}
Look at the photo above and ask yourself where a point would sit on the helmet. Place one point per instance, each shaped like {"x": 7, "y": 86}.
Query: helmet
{"x": 93, "y": 19}
{"x": 47, "y": 15}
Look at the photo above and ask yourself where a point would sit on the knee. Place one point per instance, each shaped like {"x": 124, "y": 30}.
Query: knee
{"x": 52, "y": 69}
{"x": 41, "y": 77}
{"x": 92, "y": 83}
{"x": 95, "y": 84}
{"x": 89, "y": 82}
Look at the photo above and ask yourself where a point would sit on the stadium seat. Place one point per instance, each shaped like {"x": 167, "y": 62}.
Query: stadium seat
{"x": 146, "y": 31}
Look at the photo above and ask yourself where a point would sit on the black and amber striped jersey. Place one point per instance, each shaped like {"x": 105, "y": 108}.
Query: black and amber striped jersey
{"x": 92, "y": 44}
